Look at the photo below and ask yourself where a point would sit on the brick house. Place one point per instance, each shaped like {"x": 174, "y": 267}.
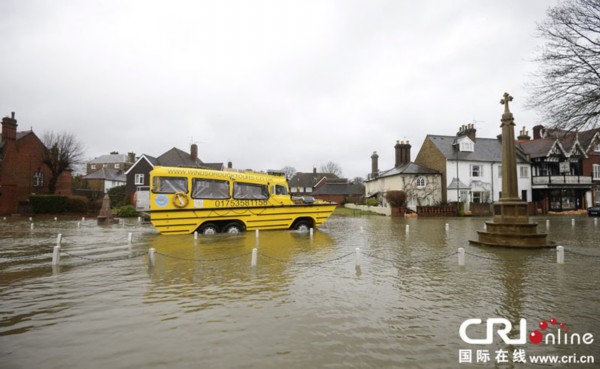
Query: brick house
{"x": 138, "y": 175}
{"x": 339, "y": 191}
{"x": 107, "y": 171}
{"x": 305, "y": 183}
{"x": 114, "y": 160}
{"x": 22, "y": 172}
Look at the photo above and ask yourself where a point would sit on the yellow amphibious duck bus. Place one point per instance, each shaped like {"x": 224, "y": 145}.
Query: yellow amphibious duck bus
{"x": 184, "y": 200}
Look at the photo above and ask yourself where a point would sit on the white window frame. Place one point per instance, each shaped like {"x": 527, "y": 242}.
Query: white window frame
{"x": 117, "y": 166}
{"x": 479, "y": 170}
{"x": 93, "y": 166}
{"x": 597, "y": 147}
{"x": 38, "y": 179}
{"x": 596, "y": 171}
{"x": 420, "y": 182}
{"x": 139, "y": 179}
{"x": 523, "y": 171}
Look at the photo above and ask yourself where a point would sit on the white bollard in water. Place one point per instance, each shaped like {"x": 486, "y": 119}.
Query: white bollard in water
{"x": 447, "y": 227}
{"x": 572, "y": 222}
{"x": 357, "y": 257}
{"x": 56, "y": 255}
{"x": 560, "y": 254}
{"x": 257, "y": 234}
{"x": 311, "y": 232}
{"x": 82, "y": 219}
{"x": 58, "y": 239}
{"x": 55, "y": 219}
{"x": 129, "y": 238}
{"x": 78, "y": 224}
{"x": 595, "y": 221}
{"x": 31, "y": 226}
{"x": 461, "y": 256}
{"x": 151, "y": 256}
{"x": 547, "y": 223}
{"x": 407, "y": 228}
{"x": 254, "y": 257}
{"x": 195, "y": 235}
{"x": 139, "y": 219}
{"x": 30, "y": 219}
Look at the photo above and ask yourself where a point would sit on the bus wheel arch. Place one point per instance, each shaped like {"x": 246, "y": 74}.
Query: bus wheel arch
{"x": 303, "y": 224}
{"x": 208, "y": 228}
{"x": 234, "y": 227}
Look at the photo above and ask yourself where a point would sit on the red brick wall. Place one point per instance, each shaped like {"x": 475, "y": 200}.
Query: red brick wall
{"x": 22, "y": 158}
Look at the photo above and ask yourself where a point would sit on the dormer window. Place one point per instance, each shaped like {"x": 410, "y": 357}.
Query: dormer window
{"x": 466, "y": 145}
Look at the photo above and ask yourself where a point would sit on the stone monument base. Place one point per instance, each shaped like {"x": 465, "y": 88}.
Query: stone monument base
{"x": 511, "y": 228}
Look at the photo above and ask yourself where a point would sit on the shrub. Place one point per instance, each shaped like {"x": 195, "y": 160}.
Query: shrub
{"x": 127, "y": 211}
{"x": 372, "y": 202}
{"x": 396, "y": 198}
{"x": 78, "y": 204}
{"x": 48, "y": 204}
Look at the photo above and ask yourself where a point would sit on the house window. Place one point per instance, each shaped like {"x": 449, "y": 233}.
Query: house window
{"x": 93, "y": 166}
{"x": 597, "y": 147}
{"x": 523, "y": 172}
{"x": 117, "y": 166}
{"x": 467, "y": 146}
{"x": 38, "y": 179}
{"x": 596, "y": 171}
{"x": 420, "y": 182}
{"x": 476, "y": 170}
{"x": 477, "y": 197}
{"x": 139, "y": 179}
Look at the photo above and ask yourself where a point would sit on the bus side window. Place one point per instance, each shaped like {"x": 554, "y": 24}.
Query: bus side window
{"x": 210, "y": 189}
{"x": 281, "y": 190}
{"x": 169, "y": 184}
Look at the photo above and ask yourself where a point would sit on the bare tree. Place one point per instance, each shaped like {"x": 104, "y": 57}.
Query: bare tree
{"x": 567, "y": 85}
{"x": 289, "y": 171}
{"x": 331, "y": 167}
{"x": 61, "y": 153}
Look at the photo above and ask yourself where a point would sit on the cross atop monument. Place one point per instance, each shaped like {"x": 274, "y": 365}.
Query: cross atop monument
{"x": 505, "y": 101}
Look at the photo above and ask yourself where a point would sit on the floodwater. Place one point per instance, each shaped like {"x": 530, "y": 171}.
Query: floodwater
{"x": 308, "y": 303}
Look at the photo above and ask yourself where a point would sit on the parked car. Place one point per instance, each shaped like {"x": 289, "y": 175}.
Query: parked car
{"x": 594, "y": 211}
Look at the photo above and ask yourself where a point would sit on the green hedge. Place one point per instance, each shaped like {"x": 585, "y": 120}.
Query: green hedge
{"x": 58, "y": 204}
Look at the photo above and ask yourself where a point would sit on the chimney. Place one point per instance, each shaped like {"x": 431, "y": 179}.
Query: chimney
{"x": 314, "y": 170}
{"x": 467, "y": 130}
{"x": 229, "y": 165}
{"x": 537, "y": 131}
{"x": 9, "y": 128}
{"x": 523, "y": 135}
{"x": 131, "y": 157}
{"x": 374, "y": 164}
{"x": 402, "y": 153}
{"x": 194, "y": 152}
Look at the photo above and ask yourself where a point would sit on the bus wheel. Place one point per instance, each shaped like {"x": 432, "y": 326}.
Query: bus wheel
{"x": 302, "y": 226}
{"x": 233, "y": 228}
{"x": 209, "y": 228}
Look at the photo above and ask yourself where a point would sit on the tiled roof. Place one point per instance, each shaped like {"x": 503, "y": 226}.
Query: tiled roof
{"x": 110, "y": 158}
{"x": 309, "y": 179}
{"x": 340, "y": 189}
{"x": 410, "y": 168}
{"x": 485, "y": 149}
{"x": 107, "y": 174}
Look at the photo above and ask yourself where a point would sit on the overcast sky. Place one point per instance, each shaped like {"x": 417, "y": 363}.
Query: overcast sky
{"x": 266, "y": 84}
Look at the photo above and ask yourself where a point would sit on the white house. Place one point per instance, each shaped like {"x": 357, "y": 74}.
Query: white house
{"x": 423, "y": 186}
{"x": 471, "y": 167}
